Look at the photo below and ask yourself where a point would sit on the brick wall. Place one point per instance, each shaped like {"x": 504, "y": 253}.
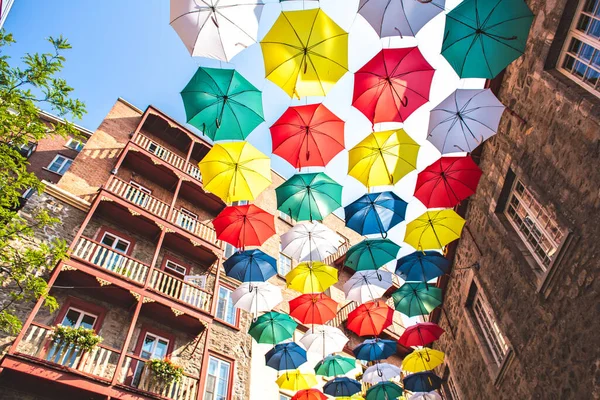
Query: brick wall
{"x": 550, "y": 139}
{"x": 44, "y": 154}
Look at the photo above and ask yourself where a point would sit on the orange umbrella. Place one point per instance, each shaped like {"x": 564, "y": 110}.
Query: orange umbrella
{"x": 370, "y": 319}
{"x": 313, "y": 308}
{"x": 309, "y": 394}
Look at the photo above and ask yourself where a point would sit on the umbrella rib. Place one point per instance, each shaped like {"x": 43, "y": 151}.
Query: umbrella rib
{"x": 233, "y": 23}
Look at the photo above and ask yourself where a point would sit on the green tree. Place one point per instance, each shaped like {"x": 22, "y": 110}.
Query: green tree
{"x": 24, "y": 260}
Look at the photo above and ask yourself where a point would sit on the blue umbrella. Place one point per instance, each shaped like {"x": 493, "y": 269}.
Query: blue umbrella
{"x": 250, "y": 266}
{"x": 342, "y": 386}
{"x": 285, "y": 356}
{"x": 422, "y": 382}
{"x": 375, "y": 349}
{"x": 422, "y": 266}
{"x": 375, "y": 213}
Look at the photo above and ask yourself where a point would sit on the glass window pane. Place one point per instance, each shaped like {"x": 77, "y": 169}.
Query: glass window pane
{"x": 108, "y": 240}
{"x": 71, "y": 318}
{"x": 88, "y": 321}
{"x": 121, "y": 246}
{"x": 161, "y": 349}
{"x": 148, "y": 346}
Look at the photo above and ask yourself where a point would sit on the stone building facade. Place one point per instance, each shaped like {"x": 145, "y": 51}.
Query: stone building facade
{"x": 521, "y": 304}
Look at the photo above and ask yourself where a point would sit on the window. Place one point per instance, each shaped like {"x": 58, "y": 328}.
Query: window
{"x": 284, "y": 265}
{"x": 240, "y": 203}
{"x": 74, "y": 144}
{"x": 153, "y": 346}
{"x": 284, "y": 397}
{"x": 536, "y": 227}
{"x": 60, "y": 164}
{"x": 580, "y": 57}
{"x": 76, "y": 318}
{"x": 187, "y": 219}
{"x": 111, "y": 260}
{"x": 225, "y": 309}
{"x": 286, "y": 217}
{"x": 154, "y": 148}
{"x": 138, "y": 194}
{"x": 114, "y": 242}
{"x": 230, "y": 250}
{"x": 217, "y": 381}
{"x": 26, "y": 150}
{"x": 177, "y": 269}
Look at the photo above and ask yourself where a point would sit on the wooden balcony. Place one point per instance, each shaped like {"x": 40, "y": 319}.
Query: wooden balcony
{"x": 195, "y": 226}
{"x": 342, "y": 250}
{"x": 180, "y": 290}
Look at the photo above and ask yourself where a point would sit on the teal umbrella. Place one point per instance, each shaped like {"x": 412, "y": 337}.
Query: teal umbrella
{"x": 371, "y": 254}
{"x": 222, "y": 104}
{"x": 272, "y": 327}
{"x": 483, "y": 36}
{"x": 413, "y": 299}
{"x": 384, "y": 391}
{"x": 334, "y": 365}
{"x": 307, "y": 197}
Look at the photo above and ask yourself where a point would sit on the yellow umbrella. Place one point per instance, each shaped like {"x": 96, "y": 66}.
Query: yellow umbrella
{"x": 305, "y": 52}
{"x": 422, "y": 360}
{"x": 235, "y": 171}
{"x": 434, "y": 229}
{"x": 296, "y": 380}
{"x": 383, "y": 158}
{"x": 311, "y": 277}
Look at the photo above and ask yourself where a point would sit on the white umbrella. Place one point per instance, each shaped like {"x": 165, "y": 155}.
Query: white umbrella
{"x": 380, "y": 373}
{"x": 311, "y": 241}
{"x": 216, "y": 28}
{"x": 324, "y": 340}
{"x": 464, "y": 120}
{"x": 256, "y": 296}
{"x": 399, "y": 17}
{"x": 367, "y": 285}
{"x": 425, "y": 396}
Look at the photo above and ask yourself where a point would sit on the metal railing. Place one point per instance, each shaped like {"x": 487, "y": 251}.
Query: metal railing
{"x": 134, "y": 195}
{"x": 195, "y": 226}
{"x": 180, "y": 290}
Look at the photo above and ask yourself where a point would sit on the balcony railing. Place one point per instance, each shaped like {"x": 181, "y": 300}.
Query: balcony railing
{"x": 195, "y": 226}
{"x": 134, "y": 195}
{"x": 180, "y": 290}
{"x": 135, "y": 373}
{"x": 111, "y": 260}
{"x": 168, "y": 156}
{"x": 342, "y": 314}
{"x": 37, "y": 342}
{"x": 332, "y": 258}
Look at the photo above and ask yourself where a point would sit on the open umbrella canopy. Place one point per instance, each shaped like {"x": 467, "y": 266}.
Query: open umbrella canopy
{"x": 310, "y": 241}
{"x": 384, "y": 390}
{"x": 392, "y": 85}
{"x": 323, "y": 340}
{"x": 217, "y": 29}
{"x": 308, "y": 135}
{"x": 422, "y": 382}
{"x": 222, "y": 104}
{"x": 383, "y": 158}
{"x": 311, "y": 277}
{"x": 285, "y": 356}
{"x": 307, "y": 197}
{"x": 272, "y": 327}
{"x": 447, "y": 182}
{"x": 375, "y": 213}
{"x": 235, "y": 171}
{"x": 371, "y": 254}
{"x": 246, "y": 225}
{"x": 254, "y": 297}
{"x": 370, "y": 319}
{"x": 464, "y": 120}
{"x": 342, "y": 386}
{"x": 296, "y": 380}
{"x": 434, "y": 229}
{"x": 433, "y": 395}
{"x": 380, "y": 372}
{"x": 413, "y": 299}
{"x": 421, "y": 334}
{"x": 309, "y": 394}
{"x": 375, "y": 349}
{"x": 334, "y": 365}
{"x": 305, "y": 52}
{"x": 482, "y": 37}
{"x": 422, "y": 266}
{"x": 313, "y": 308}
{"x": 422, "y": 360}
{"x": 366, "y": 286}
{"x": 399, "y": 17}
{"x": 250, "y": 266}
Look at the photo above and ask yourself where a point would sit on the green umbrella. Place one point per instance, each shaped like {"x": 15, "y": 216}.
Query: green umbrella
{"x": 384, "y": 390}
{"x": 413, "y": 299}
{"x": 272, "y": 327}
{"x": 306, "y": 197}
{"x": 483, "y": 36}
{"x": 334, "y": 365}
{"x": 222, "y": 104}
{"x": 371, "y": 254}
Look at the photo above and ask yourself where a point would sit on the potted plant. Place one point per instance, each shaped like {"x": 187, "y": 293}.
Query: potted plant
{"x": 165, "y": 371}
{"x": 81, "y": 338}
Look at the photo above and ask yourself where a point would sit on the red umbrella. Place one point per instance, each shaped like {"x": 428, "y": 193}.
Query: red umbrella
{"x": 244, "y": 226}
{"x": 313, "y": 308}
{"x": 421, "y": 334}
{"x": 309, "y": 135}
{"x": 447, "y": 181}
{"x": 392, "y": 85}
{"x": 309, "y": 394}
{"x": 370, "y": 319}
